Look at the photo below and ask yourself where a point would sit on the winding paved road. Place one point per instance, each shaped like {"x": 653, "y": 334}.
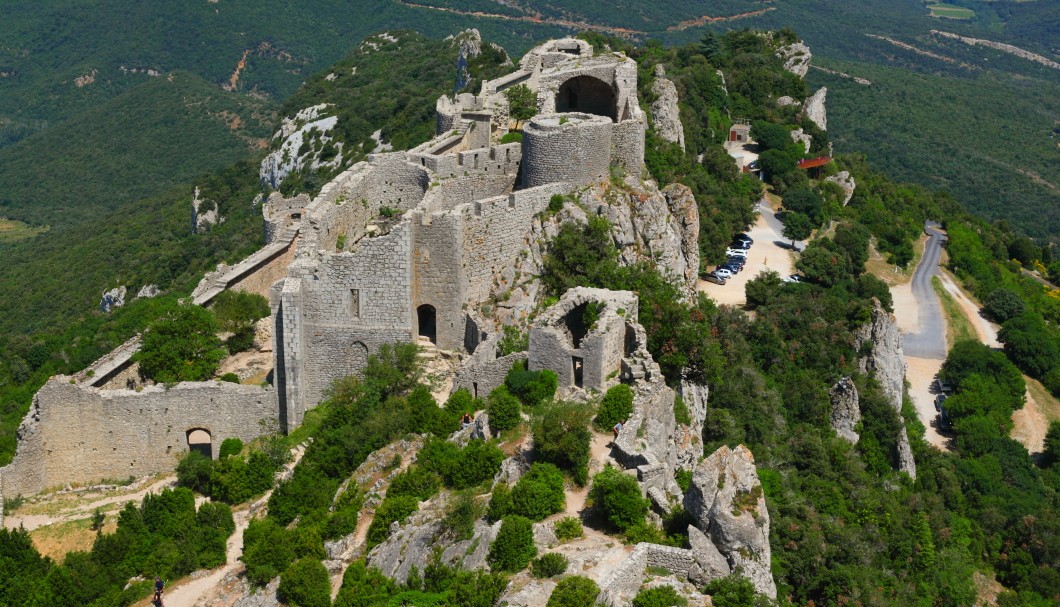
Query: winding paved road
{"x": 930, "y": 340}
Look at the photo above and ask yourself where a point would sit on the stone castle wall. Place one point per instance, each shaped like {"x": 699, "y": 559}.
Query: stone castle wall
{"x": 77, "y": 434}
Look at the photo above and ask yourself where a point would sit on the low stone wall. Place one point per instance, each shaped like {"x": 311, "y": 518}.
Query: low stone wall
{"x": 75, "y": 434}
{"x": 484, "y": 371}
{"x": 625, "y": 580}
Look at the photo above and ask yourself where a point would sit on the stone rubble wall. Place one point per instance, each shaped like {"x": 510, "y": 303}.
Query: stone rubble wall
{"x": 483, "y": 371}
{"x": 625, "y": 580}
{"x": 78, "y": 434}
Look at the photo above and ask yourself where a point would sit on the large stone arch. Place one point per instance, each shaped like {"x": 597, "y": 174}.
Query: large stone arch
{"x": 588, "y": 95}
{"x": 357, "y": 356}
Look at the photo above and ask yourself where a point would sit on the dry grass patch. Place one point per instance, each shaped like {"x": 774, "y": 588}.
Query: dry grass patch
{"x": 878, "y": 266}
{"x": 60, "y": 539}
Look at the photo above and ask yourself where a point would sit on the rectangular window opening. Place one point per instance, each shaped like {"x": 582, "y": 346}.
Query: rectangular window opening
{"x": 355, "y": 303}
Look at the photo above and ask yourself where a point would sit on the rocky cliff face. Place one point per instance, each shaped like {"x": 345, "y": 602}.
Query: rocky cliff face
{"x": 647, "y": 224}
{"x": 846, "y": 181}
{"x": 290, "y": 155}
{"x": 728, "y": 505}
{"x": 815, "y": 110}
{"x": 886, "y": 362}
{"x": 666, "y": 117}
{"x": 796, "y": 58}
{"x": 846, "y": 412}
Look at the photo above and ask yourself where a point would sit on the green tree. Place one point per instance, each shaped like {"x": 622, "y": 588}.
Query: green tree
{"x": 237, "y": 309}
{"x": 1051, "y": 454}
{"x": 181, "y": 346}
{"x": 822, "y": 264}
{"x": 580, "y": 256}
{"x": 616, "y": 406}
{"x": 617, "y": 497}
{"x": 514, "y": 546}
{"x": 539, "y": 493}
{"x": 522, "y": 102}
{"x": 735, "y": 591}
{"x": 797, "y": 226}
{"x": 806, "y": 201}
{"x": 1003, "y": 304}
{"x": 574, "y": 591}
{"x": 305, "y": 584}
{"x": 660, "y": 596}
{"x": 503, "y": 410}
{"x": 562, "y": 437}
{"x": 761, "y": 289}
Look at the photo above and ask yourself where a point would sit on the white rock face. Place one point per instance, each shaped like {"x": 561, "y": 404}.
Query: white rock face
{"x": 114, "y": 298}
{"x": 786, "y": 101}
{"x": 846, "y": 410}
{"x": 148, "y": 291}
{"x": 846, "y": 181}
{"x": 796, "y": 58}
{"x": 798, "y": 135}
{"x": 886, "y": 362}
{"x": 204, "y": 213}
{"x": 728, "y": 505}
{"x": 815, "y": 109}
{"x": 664, "y": 110}
{"x": 292, "y": 132}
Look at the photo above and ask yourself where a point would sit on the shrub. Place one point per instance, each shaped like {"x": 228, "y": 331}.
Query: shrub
{"x": 513, "y": 341}
{"x": 229, "y": 447}
{"x": 616, "y": 406}
{"x": 1002, "y": 305}
{"x": 568, "y": 528}
{"x": 539, "y": 492}
{"x": 231, "y": 378}
{"x": 235, "y": 310}
{"x": 305, "y": 584}
{"x": 503, "y": 410}
{"x": 181, "y": 346}
{"x": 618, "y": 498}
{"x": 562, "y": 438}
{"x": 417, "y": 481}
{"x": 555, "y": 204}
{"x": 660, "y": 596}
{"x": 460, "y": 520}
{"x": 574, "y": 591}
{"x": 266, "y": 551}
{"x": 479, "y": 462}
{"x": 532, "y": 387}
{"x": 500, "y": 502}
{"x": 364, "y": 587}
{"x": 512, "y": 137}
{"x": 392, "y": 509}
{"x": 514, "y": 546}
{"x": 681, "y": 412}
{"x": 240, "y": 341}
{"x": 343, "y": 519}
{"x": 550, "y": 565}
{"x": 735, "y": 591}
{"x": 194, "y": 471}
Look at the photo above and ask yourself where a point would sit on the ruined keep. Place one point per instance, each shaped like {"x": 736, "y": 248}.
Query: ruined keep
{"x": 407, "y": 245}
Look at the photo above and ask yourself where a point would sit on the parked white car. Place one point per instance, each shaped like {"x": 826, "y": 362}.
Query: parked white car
{"x": 736, "y": 252}
{"x": 793, "y": 278}
{"x": 722, "y": 272}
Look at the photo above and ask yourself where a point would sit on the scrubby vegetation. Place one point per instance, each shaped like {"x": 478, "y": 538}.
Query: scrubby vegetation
{"x": 165, "y": 536}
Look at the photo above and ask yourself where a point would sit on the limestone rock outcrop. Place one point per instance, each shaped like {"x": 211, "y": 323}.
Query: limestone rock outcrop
{"x": 204, "y": 213}
{"x": 786, "y": 101}
{"x": 796, "y": 58}
{"x": 815, "y": 110}
{"x": 846, "y": 181}
{"x": 114, "y": 298}
{"x": 885, "y": 360}
{"x": 147, "y": 291}
{"x": 846, "y": 411}
{"x": 293, "y": 131}
{"x": 690, "y": 437}
{"x": 801, "y": 136}
{"x": 727, "y": 503}
{"x": 664, "y": 110}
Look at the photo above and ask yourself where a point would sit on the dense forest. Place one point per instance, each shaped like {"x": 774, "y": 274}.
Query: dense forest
{"x": 847, "y": 526}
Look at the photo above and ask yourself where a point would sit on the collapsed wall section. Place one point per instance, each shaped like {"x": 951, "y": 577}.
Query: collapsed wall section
{"x": 77, "y": 434}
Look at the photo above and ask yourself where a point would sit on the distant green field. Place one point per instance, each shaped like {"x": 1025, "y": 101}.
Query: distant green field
{"x": 13, "y": 231}
{"x": 951, "y": 11}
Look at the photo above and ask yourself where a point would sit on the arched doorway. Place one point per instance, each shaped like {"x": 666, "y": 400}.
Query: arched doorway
{"x": 357, "y": 356}
{"x": 588, "y": 95}
{"x": 427, "y": 322}
{"x": 200, "y": 440}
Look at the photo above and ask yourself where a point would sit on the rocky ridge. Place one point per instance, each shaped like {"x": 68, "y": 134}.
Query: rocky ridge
{"x": 846, "y": 411}
{"x": 664, "y": 109}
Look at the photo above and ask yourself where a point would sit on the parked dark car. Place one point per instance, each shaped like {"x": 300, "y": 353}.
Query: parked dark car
{"x": 945, "y": 423}
{"x": 714, "y": 278}
{"x": 742, "y": 236}
{"x": 939, "y": 400}
{"x": 735, "y": 260}
{"x": 942, "y": 387}
{"x": 732, "y": 267}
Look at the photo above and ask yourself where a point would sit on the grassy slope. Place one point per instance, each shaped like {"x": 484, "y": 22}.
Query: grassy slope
{"x": 164, "y": 132}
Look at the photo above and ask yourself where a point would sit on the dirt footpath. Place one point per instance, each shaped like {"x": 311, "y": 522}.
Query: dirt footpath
{"x": 921, "y": 372}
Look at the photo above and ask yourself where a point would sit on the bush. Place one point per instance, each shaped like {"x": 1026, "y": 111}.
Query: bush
{"x": 460, "y": 520}
{"x": 343, "y": 519}
{"x": 500, "y": 502}
{"x": 660, "y": 596}
{"x": 479, "y": 462}
{"x": 568, "y": 528}
{"x": 735, "y": 591}
{"x": 194, "y": 471}
{"x": 617, "y": 496}
{"x": 514, "y": 546}
{"x": 240, "y": 341}
{"x": 562, "y": 438}
{"x": 235, "y": 310}
{"x": 305, "y": 584}
{"x": 364, "y": 587}
{"x": 181, "y": 346}
{"x": 550, "y": 565}
{"x": 532, "y": 387}
{"x": 1002, "y": 305}
{"x": 503, "y": 410}
{"x": 539, "y": 492}
{"x": 514, "y": 340}
{"x": 231, "y": 378}
{"x": 512, "y": 137}
{"x": 417, "y": 481}
{"x": 266, "y": 551}
{"x": 574, "y": 591}
{"x": 616, "y": 406}
{"x": 229, "y": 447}
{"x": 392, "y": 509}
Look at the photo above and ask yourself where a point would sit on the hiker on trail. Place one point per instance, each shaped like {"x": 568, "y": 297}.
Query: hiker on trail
{"x": 465, "y": 421}
{"x": 618, "y": 428}
{"x": 159, "y": 585}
